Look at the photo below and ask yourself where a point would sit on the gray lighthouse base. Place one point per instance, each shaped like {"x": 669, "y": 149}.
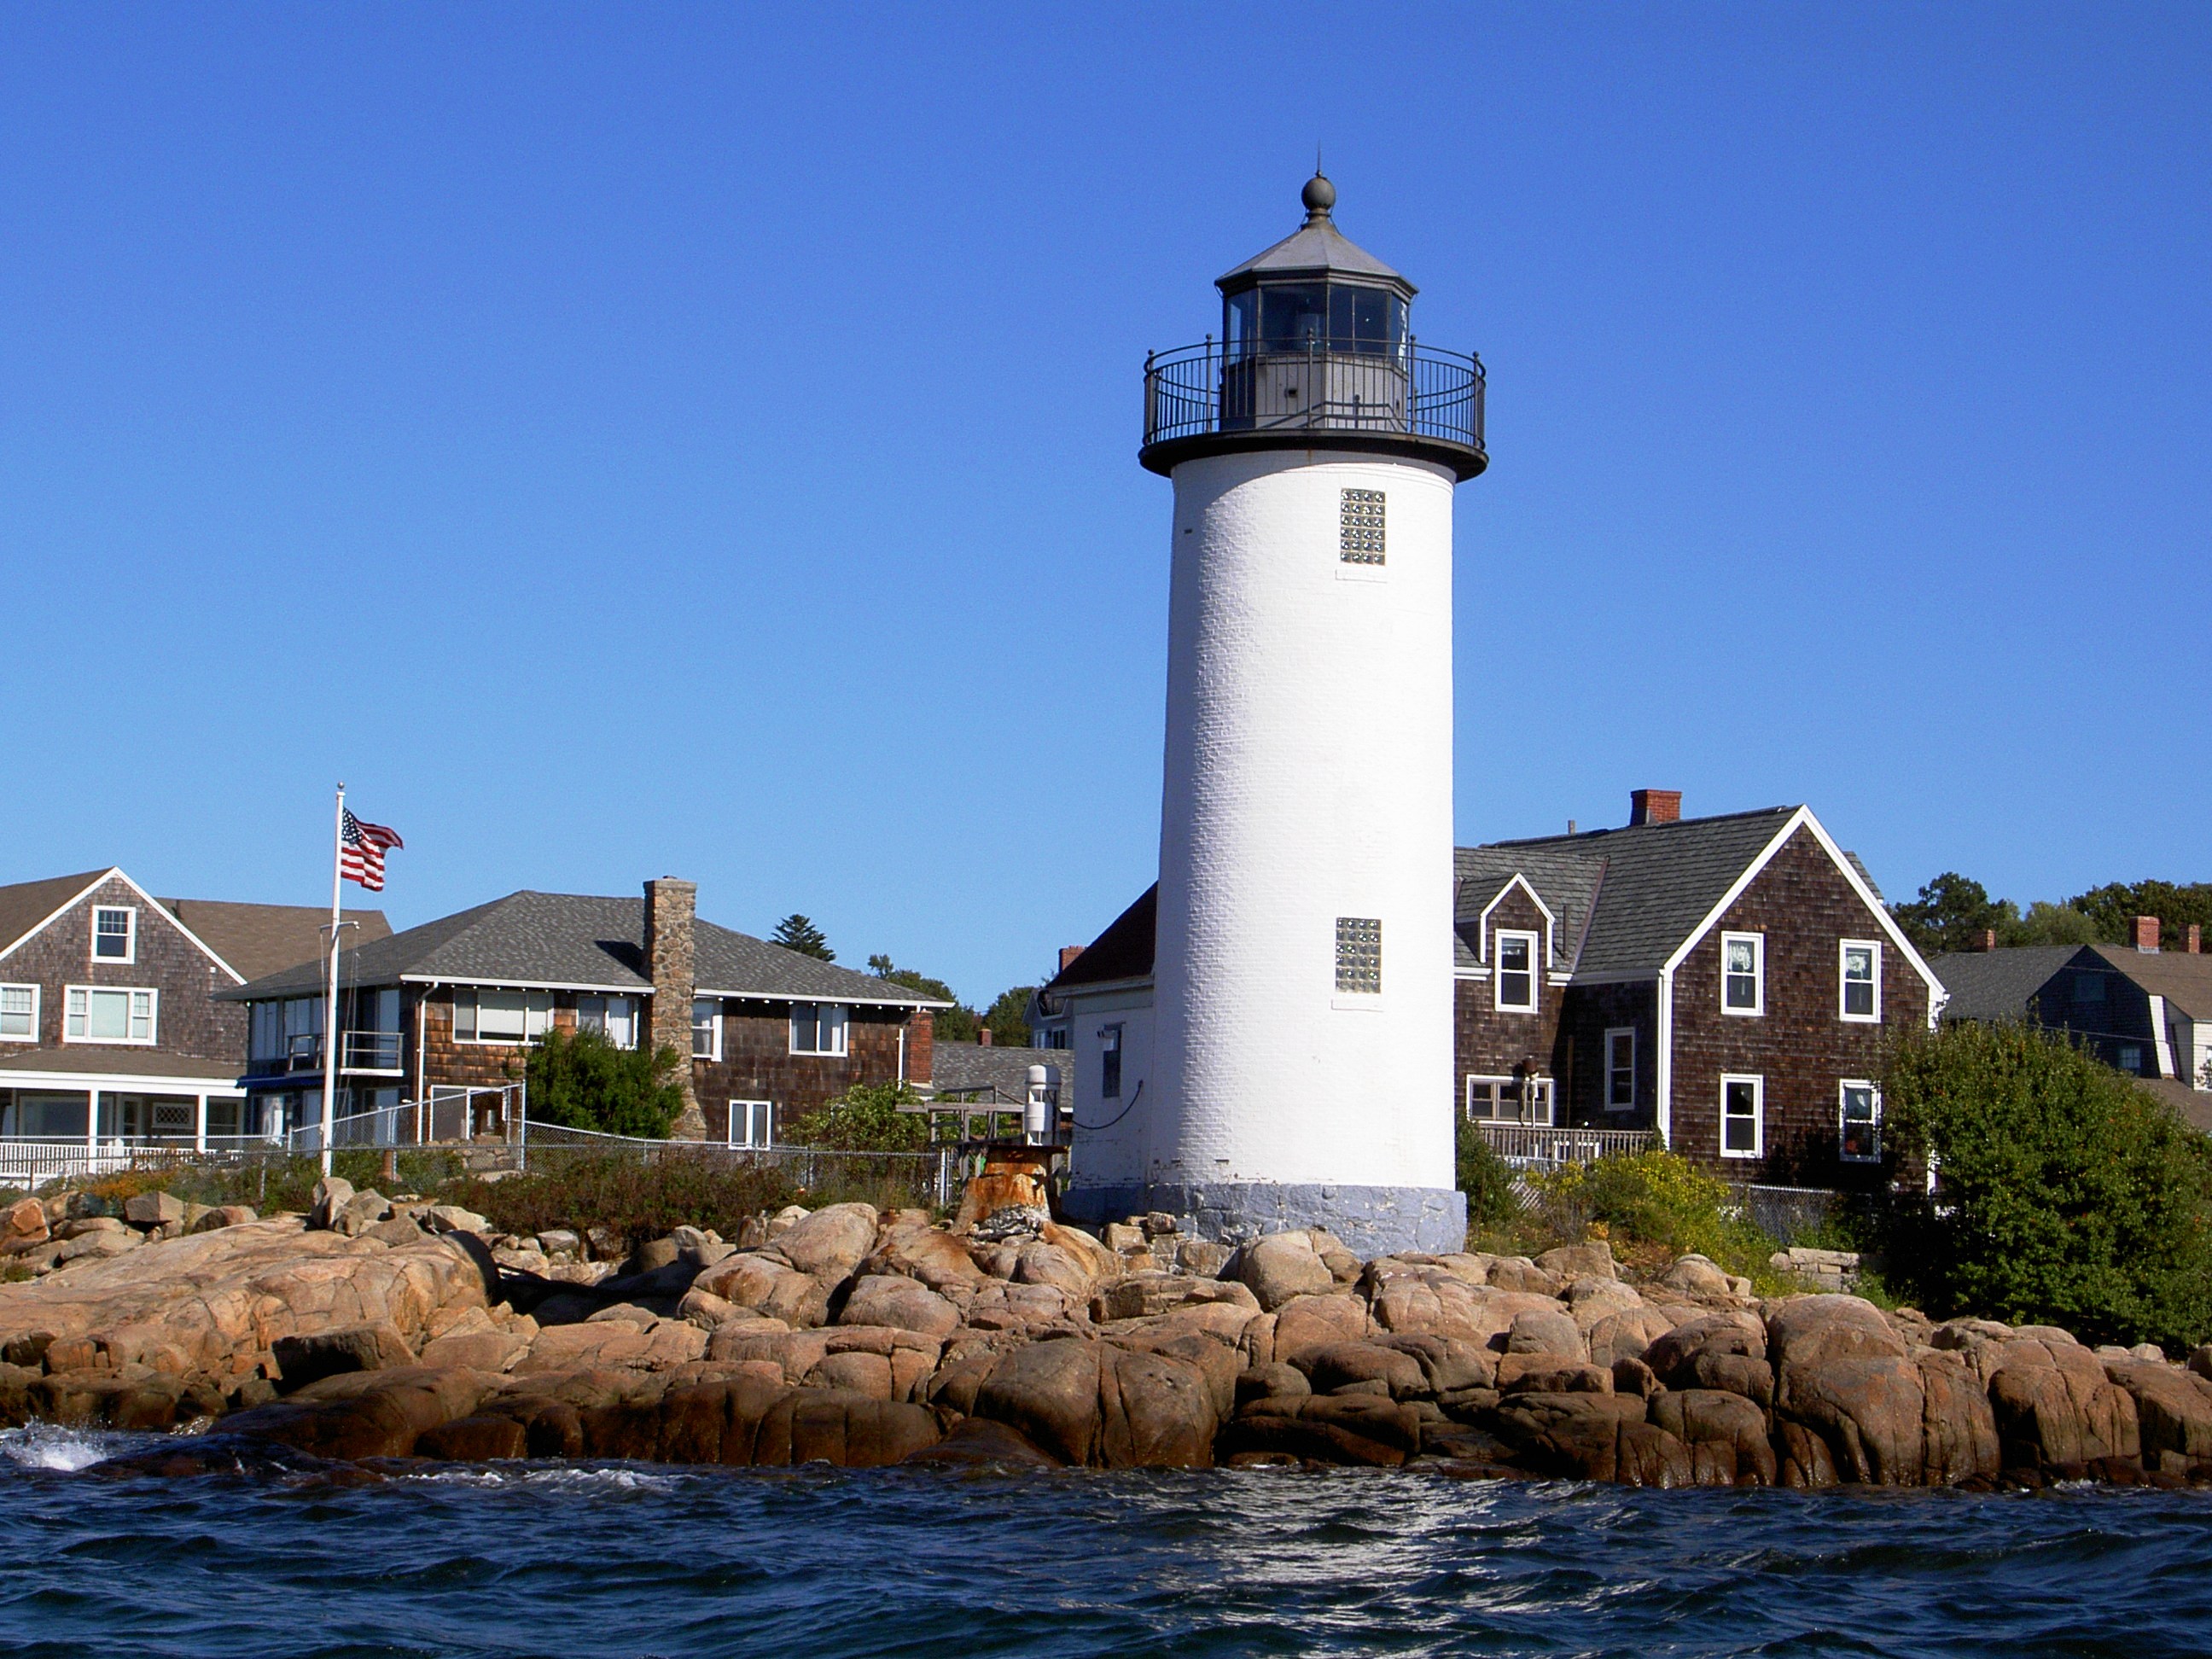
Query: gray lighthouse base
{"x": 1371, "y": 1221}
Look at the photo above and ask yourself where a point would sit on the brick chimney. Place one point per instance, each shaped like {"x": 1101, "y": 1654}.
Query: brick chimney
{"x": 2147, "y": 935}
{"x": 2196, "y": 944}
{"x": 1654, "y": 807}
{"x": 1068, "y": 955}
{"x": 671, "y": 906}
{"x": 1988, "y": 939}
{"x": 983, "y": 1036}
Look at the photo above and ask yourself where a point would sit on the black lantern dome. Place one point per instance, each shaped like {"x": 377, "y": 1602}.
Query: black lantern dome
{"x": 1316, "y": 352}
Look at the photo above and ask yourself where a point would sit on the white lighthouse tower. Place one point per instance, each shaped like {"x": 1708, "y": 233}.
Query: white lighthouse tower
{"x": 1302, "y": 1068}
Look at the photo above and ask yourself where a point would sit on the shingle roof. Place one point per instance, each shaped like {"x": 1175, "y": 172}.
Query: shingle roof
{"x": 2194, "y": 1106}
{"x": 1991, "y": 985}
{"x": 1001, "y": 1074}
{"x": 2184, "y": 980}
{"x": 1124, "y": 950}
{"x": 91, "y": 1061}
{"x": 261, "y": 938}
{"x": 25, "y": 905}
{"x": 571, "y": 940}
{"x": 1651, "y": 884}
{"x": 1565, "y": 879}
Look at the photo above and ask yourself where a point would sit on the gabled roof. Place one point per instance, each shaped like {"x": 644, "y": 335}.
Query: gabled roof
{"x": 2192, "y": 1106}
{"x": 1564, "y": 878}
{"x": 1660, "y": 882}
{"x": 1993, "y": 985}
{"x": 1124, "y": 952}
{"x": 572, "y": 941}
{"x": 999, "y": 1074}
{"x": 261, "y": 938}
{"x": 25, "y": 905}
{"x": 2184, "y": 980}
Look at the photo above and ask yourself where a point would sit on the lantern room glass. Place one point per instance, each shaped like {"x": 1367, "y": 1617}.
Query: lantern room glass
{"x": 1295, "y": 319}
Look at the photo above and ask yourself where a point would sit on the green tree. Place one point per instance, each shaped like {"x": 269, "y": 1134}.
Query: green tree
{"x": 2046, "y": 923}
{"x": 1009, "y": 1016}
{"x": 867, "y": 1118}
{"x": 1953, "y": 913}
{"x": 580, "y": 1079}
{"x": 2066, "y": 1195}
{"x": 798, "y": 933}
{"x": 955, "y": 1025}
{"x": 2112, "y": 908}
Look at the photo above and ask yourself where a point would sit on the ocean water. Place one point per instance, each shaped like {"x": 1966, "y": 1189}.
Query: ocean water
{"x": 625, "y": 1560}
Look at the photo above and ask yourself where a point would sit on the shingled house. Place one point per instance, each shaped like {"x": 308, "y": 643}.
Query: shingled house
{"x": 112, "y": 1026}
{"x": 1726, "y": 981}
{"x": 2143, "y": 1009}
{"x": 452, "y": 1003}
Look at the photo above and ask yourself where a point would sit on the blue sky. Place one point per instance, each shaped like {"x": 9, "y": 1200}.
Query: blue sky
{"x": 635, "y": 440}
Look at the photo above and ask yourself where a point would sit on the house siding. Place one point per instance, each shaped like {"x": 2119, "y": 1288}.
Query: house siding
{"x": 1491, "y": 1042}
{"x": 1590, "y": 1011}
{"x": 757, "y": 1064}
{"x": 188, "y": 1021}
{"x": 1804, "y": 906}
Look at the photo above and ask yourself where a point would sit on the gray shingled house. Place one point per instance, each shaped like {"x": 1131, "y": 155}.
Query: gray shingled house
{"x": 2143, "y": 1009}
{"x": 451, "y": 1004}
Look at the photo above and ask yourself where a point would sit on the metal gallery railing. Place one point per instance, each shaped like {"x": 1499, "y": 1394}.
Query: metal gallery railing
{"x": 1414, "y": 391}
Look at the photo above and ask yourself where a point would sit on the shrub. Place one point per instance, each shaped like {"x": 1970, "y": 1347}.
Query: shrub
{"x": 580, "y": 1079}
{"x": 1487, "y": 1181}
{"x": 867, "y": 1118}
{"x": 2065, "y": 1195}
{"x": 1659, "y": 1200}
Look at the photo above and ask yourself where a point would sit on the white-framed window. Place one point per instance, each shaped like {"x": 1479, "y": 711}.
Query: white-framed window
{"x": 1620, "y": 1069}
{"x": 1509, "y": 1100}
{"x": 1743, "y": 1115}
{"x": 1361, "y": 527}
{"x": 1359, "y": 956}
{"x": 1514, "y": 984}
{"x": 614, "y": 1019}
{"x": 752, "y": 1123}
{"x": 817, "y": 1028}
{"x": 1743, "y": 972}
{"x": 1859, "y": 967}
{"x": 484, "y": 1015}
{"x": 1859, "y": 1121}
{"x": 706, "y": 1027}
{"x": 19, "y": 1013}
{"x": 115, "y": 933}
{"x": 101, "y": 1013}
{"x": 1109, "y": 1062}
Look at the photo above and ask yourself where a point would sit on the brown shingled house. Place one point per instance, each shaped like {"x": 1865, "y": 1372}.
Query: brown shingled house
{"x": 111, "y": 1029}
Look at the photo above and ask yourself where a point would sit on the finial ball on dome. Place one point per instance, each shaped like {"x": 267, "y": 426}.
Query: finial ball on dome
{"x": 1319, "y": 195}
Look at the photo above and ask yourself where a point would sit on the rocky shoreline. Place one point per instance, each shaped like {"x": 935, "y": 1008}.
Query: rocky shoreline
{"x": 372, "y": 1330}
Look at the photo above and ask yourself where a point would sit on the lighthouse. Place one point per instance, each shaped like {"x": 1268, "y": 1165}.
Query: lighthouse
{"x": 1303, "y": 998}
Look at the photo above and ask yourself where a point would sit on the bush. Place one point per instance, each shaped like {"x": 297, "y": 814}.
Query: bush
{"x": 580, "y": 1079}
{"x": 1487, "y": 1181}
{"x": 867, "y": 1118}
{"x": 1661, "y": 1200}
{"x": 2065, "y": 1195}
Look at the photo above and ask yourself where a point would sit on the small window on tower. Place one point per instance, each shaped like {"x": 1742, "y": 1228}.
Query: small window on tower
{"x": 1360, "y": 527}
{"x": 1360, "y": 955}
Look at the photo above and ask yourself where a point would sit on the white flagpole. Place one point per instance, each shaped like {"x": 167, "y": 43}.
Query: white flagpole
{"x": 330, "y": 1035}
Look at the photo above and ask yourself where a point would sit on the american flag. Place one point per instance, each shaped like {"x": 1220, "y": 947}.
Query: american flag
{"x": 361, "y": 851}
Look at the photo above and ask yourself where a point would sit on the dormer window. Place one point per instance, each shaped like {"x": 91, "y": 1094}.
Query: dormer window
{"x": 115, "y": 933}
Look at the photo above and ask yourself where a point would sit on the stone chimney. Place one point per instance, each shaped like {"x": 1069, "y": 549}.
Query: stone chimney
{"x": 2196, "y": 944}
{"x": 671, "y": 906}
{"x": 2147, "y": 935}
{"x": 983, "y": 1036}
{"x": 1654, "y": 807}
{"x": 1068, "y": 955}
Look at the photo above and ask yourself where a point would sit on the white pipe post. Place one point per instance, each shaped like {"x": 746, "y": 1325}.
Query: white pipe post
{"x": 330, "y": 1004}
{"x": 199, "y": 1123}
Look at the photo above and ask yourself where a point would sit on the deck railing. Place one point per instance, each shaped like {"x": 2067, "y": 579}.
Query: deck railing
{"x": 1535, "y": 1145}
